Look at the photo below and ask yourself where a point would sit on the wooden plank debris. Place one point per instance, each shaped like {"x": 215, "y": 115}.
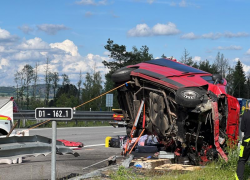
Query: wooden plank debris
{"x": 178, "y": 167}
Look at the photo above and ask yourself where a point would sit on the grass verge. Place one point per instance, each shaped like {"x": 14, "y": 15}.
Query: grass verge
{"x": 217, "y": 170}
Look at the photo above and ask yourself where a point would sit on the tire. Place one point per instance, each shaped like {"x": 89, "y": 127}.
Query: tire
{"x": 181, "y": 97}
{"x": 122, "y": 75}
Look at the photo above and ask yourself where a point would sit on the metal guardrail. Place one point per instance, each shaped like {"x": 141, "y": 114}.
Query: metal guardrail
{"x": 78, "y": 116}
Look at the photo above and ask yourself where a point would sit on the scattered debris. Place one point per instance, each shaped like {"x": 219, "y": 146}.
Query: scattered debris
{"x": 178, "y": 167}
{"x": 151, "y": 163}
{"x": 71, "y": 144}
{"x": 165, "y": 155}
{"x": 11, "y": 161}
{"x": 127, "y": 161}
{"x": 12, "y": 149}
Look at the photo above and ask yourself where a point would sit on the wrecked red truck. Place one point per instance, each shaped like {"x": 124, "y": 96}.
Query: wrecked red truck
{"x": 188, "y": 109}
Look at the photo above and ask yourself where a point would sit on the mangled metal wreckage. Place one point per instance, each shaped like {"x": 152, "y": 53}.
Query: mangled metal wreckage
{"x": 13, "y": 149}
{"x": 188, "y": 109}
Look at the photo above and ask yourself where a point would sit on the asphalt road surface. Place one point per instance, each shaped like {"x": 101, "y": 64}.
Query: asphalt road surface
{"x": 94, "y": 151}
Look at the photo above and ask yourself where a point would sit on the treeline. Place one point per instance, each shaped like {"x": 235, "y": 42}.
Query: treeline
{"x": 30, "y": 95}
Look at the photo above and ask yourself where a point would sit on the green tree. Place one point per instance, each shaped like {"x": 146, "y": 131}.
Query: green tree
{"x": 35, "y": 80}
{"x": 221, "y": 64}
{"x": 28, "y": 75}
{"x": 65, "y": 100}
{"x": 66, "y": 93}
{"x": 239, "y": 81}
{"x": 230, "y": 80}
{"x": 79, "y": 84}
{"x": 19, "y": 87}
{"x": 186, "y": 59}
{"x": 55, "y": 79}
{"x": 92, "y": 88}
{"x": 121, "y": 57}
{"x": 137, "y": 56}
{"x": 65, "y": 79}
{"x": 206, "y": 66}
{"x": 163, "y": 56}
{"x": 47, "y": 79}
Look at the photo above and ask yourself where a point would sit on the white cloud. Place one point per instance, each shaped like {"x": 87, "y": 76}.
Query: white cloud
{"x": 67, "y": 46}
{"x": 5, "y": 36}
{"x": 4, "y": 62}
{"x": 41, "y": 68}
{"x": 190, "y": 35}
{"x": 239, "y": 34}
{"x": 211, "y": 36}
{"x": 76, "y": 67}
{"x": 236, "y": 59}
{"x": 27, "y": 55}
{"x": 165, "y": 29}
{"x": 197, "y": 58}
{"x": 157, "y": 30}
{"x": 36, "y": 43}
{"x": 26, "y": 29}
{"x": 63, "y": 56}
{"x": 214, "y": 36}
{"x": 246, "y": 68}
{"x": 91, "y": 2}
{"x": 51, "y": 29}
{"x": 140, "y": 30}
{"x": 248, "y": 52}
{"x": 232, "y": 47}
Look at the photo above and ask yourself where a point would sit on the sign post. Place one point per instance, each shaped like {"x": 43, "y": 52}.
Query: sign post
{"x": 53, "y": 151}
{"x": 54, "y": 114}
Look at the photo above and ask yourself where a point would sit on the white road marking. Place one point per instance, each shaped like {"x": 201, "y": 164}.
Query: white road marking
{"x": 94, "y": 145}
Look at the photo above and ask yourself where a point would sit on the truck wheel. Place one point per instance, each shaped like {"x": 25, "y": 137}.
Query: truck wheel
{"x": 189, "y": 97}
{"x": 122, "y": 75}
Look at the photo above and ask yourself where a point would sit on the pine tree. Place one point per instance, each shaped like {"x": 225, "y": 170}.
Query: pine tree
{"x": 186, "y": 59}
{"x": 239, "y": 81}
{"x": 163, "y": 56}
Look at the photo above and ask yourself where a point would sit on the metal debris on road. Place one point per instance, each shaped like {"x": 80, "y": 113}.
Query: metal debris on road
{"x": 12, "y": 148}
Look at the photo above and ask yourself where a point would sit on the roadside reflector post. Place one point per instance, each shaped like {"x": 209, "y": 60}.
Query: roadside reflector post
{"x": 54, "y": 114}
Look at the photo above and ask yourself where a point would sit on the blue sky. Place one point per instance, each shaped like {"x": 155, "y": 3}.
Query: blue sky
{"x": 72, "y": 33}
